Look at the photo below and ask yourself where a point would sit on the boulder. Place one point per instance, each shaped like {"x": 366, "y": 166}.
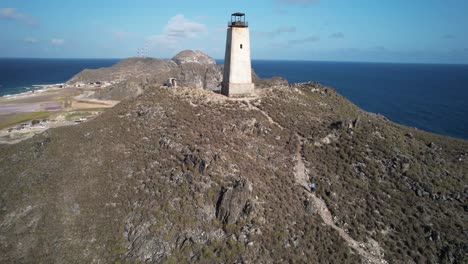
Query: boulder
{"x": 232, "y": 202}
{"x": 309, "y": 207}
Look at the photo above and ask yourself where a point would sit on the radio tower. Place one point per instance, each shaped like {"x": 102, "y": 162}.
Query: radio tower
{"x": 143, "y": 52}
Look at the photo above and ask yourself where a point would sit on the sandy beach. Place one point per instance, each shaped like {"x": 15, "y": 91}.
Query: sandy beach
{"x": 24, "y": 115}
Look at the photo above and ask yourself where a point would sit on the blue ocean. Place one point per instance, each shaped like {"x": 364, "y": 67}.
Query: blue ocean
{"x": 19, "y": 75}
{"x": 431, "y": 97}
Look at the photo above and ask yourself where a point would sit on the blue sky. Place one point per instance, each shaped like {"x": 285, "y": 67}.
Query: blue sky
{"x": 422, "y": 31}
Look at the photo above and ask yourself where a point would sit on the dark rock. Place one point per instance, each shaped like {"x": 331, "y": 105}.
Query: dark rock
{"x": 432, "y": 145}
{"x": 233, "y": 201}
{"x": 142, "y": 244}
{"x": 402, "y": 162}
{"x": 346, "y": 124}
{"x": 196, "y": 162}
{"x": 309, "y": 207}
{"x": 337, "y": 125}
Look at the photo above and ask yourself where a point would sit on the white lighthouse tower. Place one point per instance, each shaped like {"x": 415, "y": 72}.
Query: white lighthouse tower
{"x": 237, "y": 78}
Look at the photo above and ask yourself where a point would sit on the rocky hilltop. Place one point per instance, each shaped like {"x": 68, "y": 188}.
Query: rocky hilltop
{"x": 190, "y": 68}
{"x": 187, "y": 175}
{"x": 130, "y": 76}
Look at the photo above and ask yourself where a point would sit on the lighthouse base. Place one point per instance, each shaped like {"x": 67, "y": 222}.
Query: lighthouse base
{"x": 237, "y": 89}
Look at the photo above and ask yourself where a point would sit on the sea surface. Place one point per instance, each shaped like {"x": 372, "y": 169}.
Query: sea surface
{"x": 431, "y": 97}
{"x": 19, "y": 75}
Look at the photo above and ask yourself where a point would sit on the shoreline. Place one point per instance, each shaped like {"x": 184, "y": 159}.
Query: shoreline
{"x": 36, "y": 88}
{"x": 24, "y": 115}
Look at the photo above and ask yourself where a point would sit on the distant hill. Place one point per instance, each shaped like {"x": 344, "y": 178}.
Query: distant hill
{"x": 124, "y": 70}
{"x": 189, "y": 176}
{"x": 190, "y": 68}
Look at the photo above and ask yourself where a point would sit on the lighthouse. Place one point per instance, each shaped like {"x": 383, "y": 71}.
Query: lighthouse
{"x": 237, "y": 78}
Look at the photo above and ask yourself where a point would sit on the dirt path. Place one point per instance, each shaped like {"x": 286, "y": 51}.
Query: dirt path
{"x": 301, "y": 178}
{"x": 264, "y": 114}
{"x": 300, "y": 172}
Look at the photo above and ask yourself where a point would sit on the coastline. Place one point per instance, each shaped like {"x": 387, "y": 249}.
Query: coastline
{"x": 36, "y": 88}
{"x": 24, "y": 115}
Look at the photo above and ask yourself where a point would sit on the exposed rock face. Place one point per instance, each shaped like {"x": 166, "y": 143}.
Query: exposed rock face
{"x": 190, "y": 56}
{"x": 233, "y": 201}
{"x": 205, "y": 76}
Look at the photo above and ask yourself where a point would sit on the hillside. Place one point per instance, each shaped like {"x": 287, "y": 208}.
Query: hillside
{"x": 130, "y": 76}
{"x": 190, "y": 68}
{"x": 188, "y": 175}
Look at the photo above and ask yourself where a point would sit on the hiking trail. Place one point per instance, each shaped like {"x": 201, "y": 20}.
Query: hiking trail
{"x": 322, "y": 209}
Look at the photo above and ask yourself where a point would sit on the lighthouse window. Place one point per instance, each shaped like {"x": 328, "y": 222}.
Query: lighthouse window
{"x": 241, "y": 46}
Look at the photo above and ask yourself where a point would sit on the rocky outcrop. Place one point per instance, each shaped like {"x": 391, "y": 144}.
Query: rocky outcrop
{"x": 190, "y": 56}
{"x": 197, "y": 75}
{"x": 233, "y": 201}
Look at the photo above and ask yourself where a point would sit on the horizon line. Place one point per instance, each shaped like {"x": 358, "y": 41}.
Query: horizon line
{"x": 291, "y": 60}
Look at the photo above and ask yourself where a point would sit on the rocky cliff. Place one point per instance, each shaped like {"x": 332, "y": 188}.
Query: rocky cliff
{"x": 188, "y": 175}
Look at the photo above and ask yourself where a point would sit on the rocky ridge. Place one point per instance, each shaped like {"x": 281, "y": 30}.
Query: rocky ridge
{"x": 190, "y": 68}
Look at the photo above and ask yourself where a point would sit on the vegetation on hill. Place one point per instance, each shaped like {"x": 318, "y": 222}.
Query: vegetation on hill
{"x": 187, "y": 175}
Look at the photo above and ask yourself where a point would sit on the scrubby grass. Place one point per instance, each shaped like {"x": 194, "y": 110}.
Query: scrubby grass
{"x": 149, "y": 173}
{"x": 24, "y": 118}
{"x": 71, "y": 115}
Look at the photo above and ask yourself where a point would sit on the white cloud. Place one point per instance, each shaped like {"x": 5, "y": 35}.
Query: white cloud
{"x": 57, "y": 41}
{"x": 15, "y": 15}
{"x": 31, "y": 40}
{"x": 177, "y": 30}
